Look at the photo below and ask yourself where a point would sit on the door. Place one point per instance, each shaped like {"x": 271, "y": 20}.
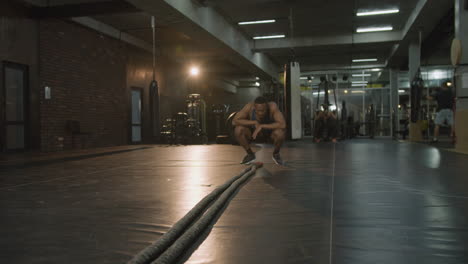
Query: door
{"x": 14, "y": 104}
{"x": 136, "y": 115}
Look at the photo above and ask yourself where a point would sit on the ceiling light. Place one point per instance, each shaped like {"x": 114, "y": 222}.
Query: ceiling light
{"x": 257, "y": 22}
{"x": 401, "y": 91}
{"x": 257, "y": 84}
{"x": 362, "y": 75}
{"x": 303, "y": 78}
{"x": 374, "y": 29}
{"x": 449, "y": 84}
{"x": 364, "y": 60}
{"x": 360, "y": 82}
{"x": 194, "y": 71}
{"x": 376, "y": 70}
{"x": 358, "y": 91}
{"x": 269, "y": 37}
{"x": 345, "y": 91}
{"x": 378, "y": 12}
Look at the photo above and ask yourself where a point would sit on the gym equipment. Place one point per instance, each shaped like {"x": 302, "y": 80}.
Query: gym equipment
{"x": 189, "y": 228}
{"x": 325, "y": 107}
{"x": 196, "y": 111}
{"x": 417, "y": 86}
{"x": 230, "y": 128}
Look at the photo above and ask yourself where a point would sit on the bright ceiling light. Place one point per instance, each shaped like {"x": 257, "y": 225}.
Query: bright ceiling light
{"x": 360, "y": 82}
{"x": 358, "y": 91}
{"x": 303, "y": 78}
{"x": 362, "y": 75}
{"x": 378, "y": 12}
{"x": 346, "y": 91}
{"x": 257, "y": 84}
{"x": 401, "y": 91}
{"x": 194, "y": 71}
{"x": 257, "y": 22}
{"x": 437, "y": 75}
{"x": 376, "y": 70}
{"x": 364, "y": 60}
{"x": 449, "y": 84}
{"x": 374, "y": 29}
{"x": 269, "y": 37}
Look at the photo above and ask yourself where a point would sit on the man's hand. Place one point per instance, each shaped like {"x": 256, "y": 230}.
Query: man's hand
{"x": 258, "y": 128}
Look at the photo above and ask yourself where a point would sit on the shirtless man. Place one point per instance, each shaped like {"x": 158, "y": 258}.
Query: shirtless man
{"x": 260, "y": 119}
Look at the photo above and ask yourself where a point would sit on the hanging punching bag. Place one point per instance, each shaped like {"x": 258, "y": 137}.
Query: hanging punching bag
{"x": 417, "y": 86}
{"x": 154, "y": 95}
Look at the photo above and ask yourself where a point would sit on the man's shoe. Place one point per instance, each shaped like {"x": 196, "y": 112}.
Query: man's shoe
{"x": 248, "y": 159}
{"x": 277, "y": 159}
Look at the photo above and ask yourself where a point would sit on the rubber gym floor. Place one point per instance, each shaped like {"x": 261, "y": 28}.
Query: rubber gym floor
{"x": 360, "y": 201}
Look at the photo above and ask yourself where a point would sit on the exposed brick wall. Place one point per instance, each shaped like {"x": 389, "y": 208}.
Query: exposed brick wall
{"x": 87, "y": 73}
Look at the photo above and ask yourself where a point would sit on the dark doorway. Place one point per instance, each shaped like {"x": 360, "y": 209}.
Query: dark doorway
{"x": 14, "y": 104}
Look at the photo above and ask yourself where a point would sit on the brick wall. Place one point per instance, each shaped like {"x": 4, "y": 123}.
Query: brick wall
{"x": 87, "y": 73}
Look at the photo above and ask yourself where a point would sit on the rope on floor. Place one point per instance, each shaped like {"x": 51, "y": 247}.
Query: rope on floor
{"x": 173, "y": 243}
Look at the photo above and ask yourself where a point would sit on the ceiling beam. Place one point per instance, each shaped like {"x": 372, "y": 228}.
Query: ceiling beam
{"x": 424, "y": 18}
{"x": 365, "y": 38}
{"x": 208, "y": 27}
{"x": 113, "y": 32}
{"x": 84, "y": 9}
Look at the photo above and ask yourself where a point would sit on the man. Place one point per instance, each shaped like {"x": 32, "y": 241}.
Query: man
{"x": 444, "y": 99}
{"x": 260, "y": 120}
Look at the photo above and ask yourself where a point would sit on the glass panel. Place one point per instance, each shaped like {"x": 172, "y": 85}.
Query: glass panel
{"x": 359, "y": 89}
{"x": 15, "y": 137}
{"x": 136, "y": 107}
{"x": 136, "y": 133}
{"x": 14, "y": 87}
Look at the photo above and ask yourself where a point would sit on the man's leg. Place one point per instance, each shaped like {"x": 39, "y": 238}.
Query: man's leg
{"x": 439, "y": 120}
{"x": 243, "y": 136}
{"x": 278, "y": 135}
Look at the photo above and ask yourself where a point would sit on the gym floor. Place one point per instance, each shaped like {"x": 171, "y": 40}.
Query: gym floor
{"x": 360, "y": 201}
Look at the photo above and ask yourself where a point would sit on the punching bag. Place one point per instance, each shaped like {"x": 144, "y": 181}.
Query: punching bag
{"x": 417, "y": 86}
{"x": 154, "y": 95}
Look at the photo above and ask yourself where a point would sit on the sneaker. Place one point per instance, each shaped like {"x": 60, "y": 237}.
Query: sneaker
{"x": 248, "y": 159}
{"x": 277, "y": 159}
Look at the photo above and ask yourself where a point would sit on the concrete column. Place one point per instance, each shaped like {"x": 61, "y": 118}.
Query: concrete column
{"x": 461, "y": 73}
{"x": 414, "y": 59}
{"x": 415, "y": 132}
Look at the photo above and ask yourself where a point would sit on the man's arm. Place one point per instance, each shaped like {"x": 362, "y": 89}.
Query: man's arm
{"x": 277, "y": 117}
{"x": 242, "y": 117}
